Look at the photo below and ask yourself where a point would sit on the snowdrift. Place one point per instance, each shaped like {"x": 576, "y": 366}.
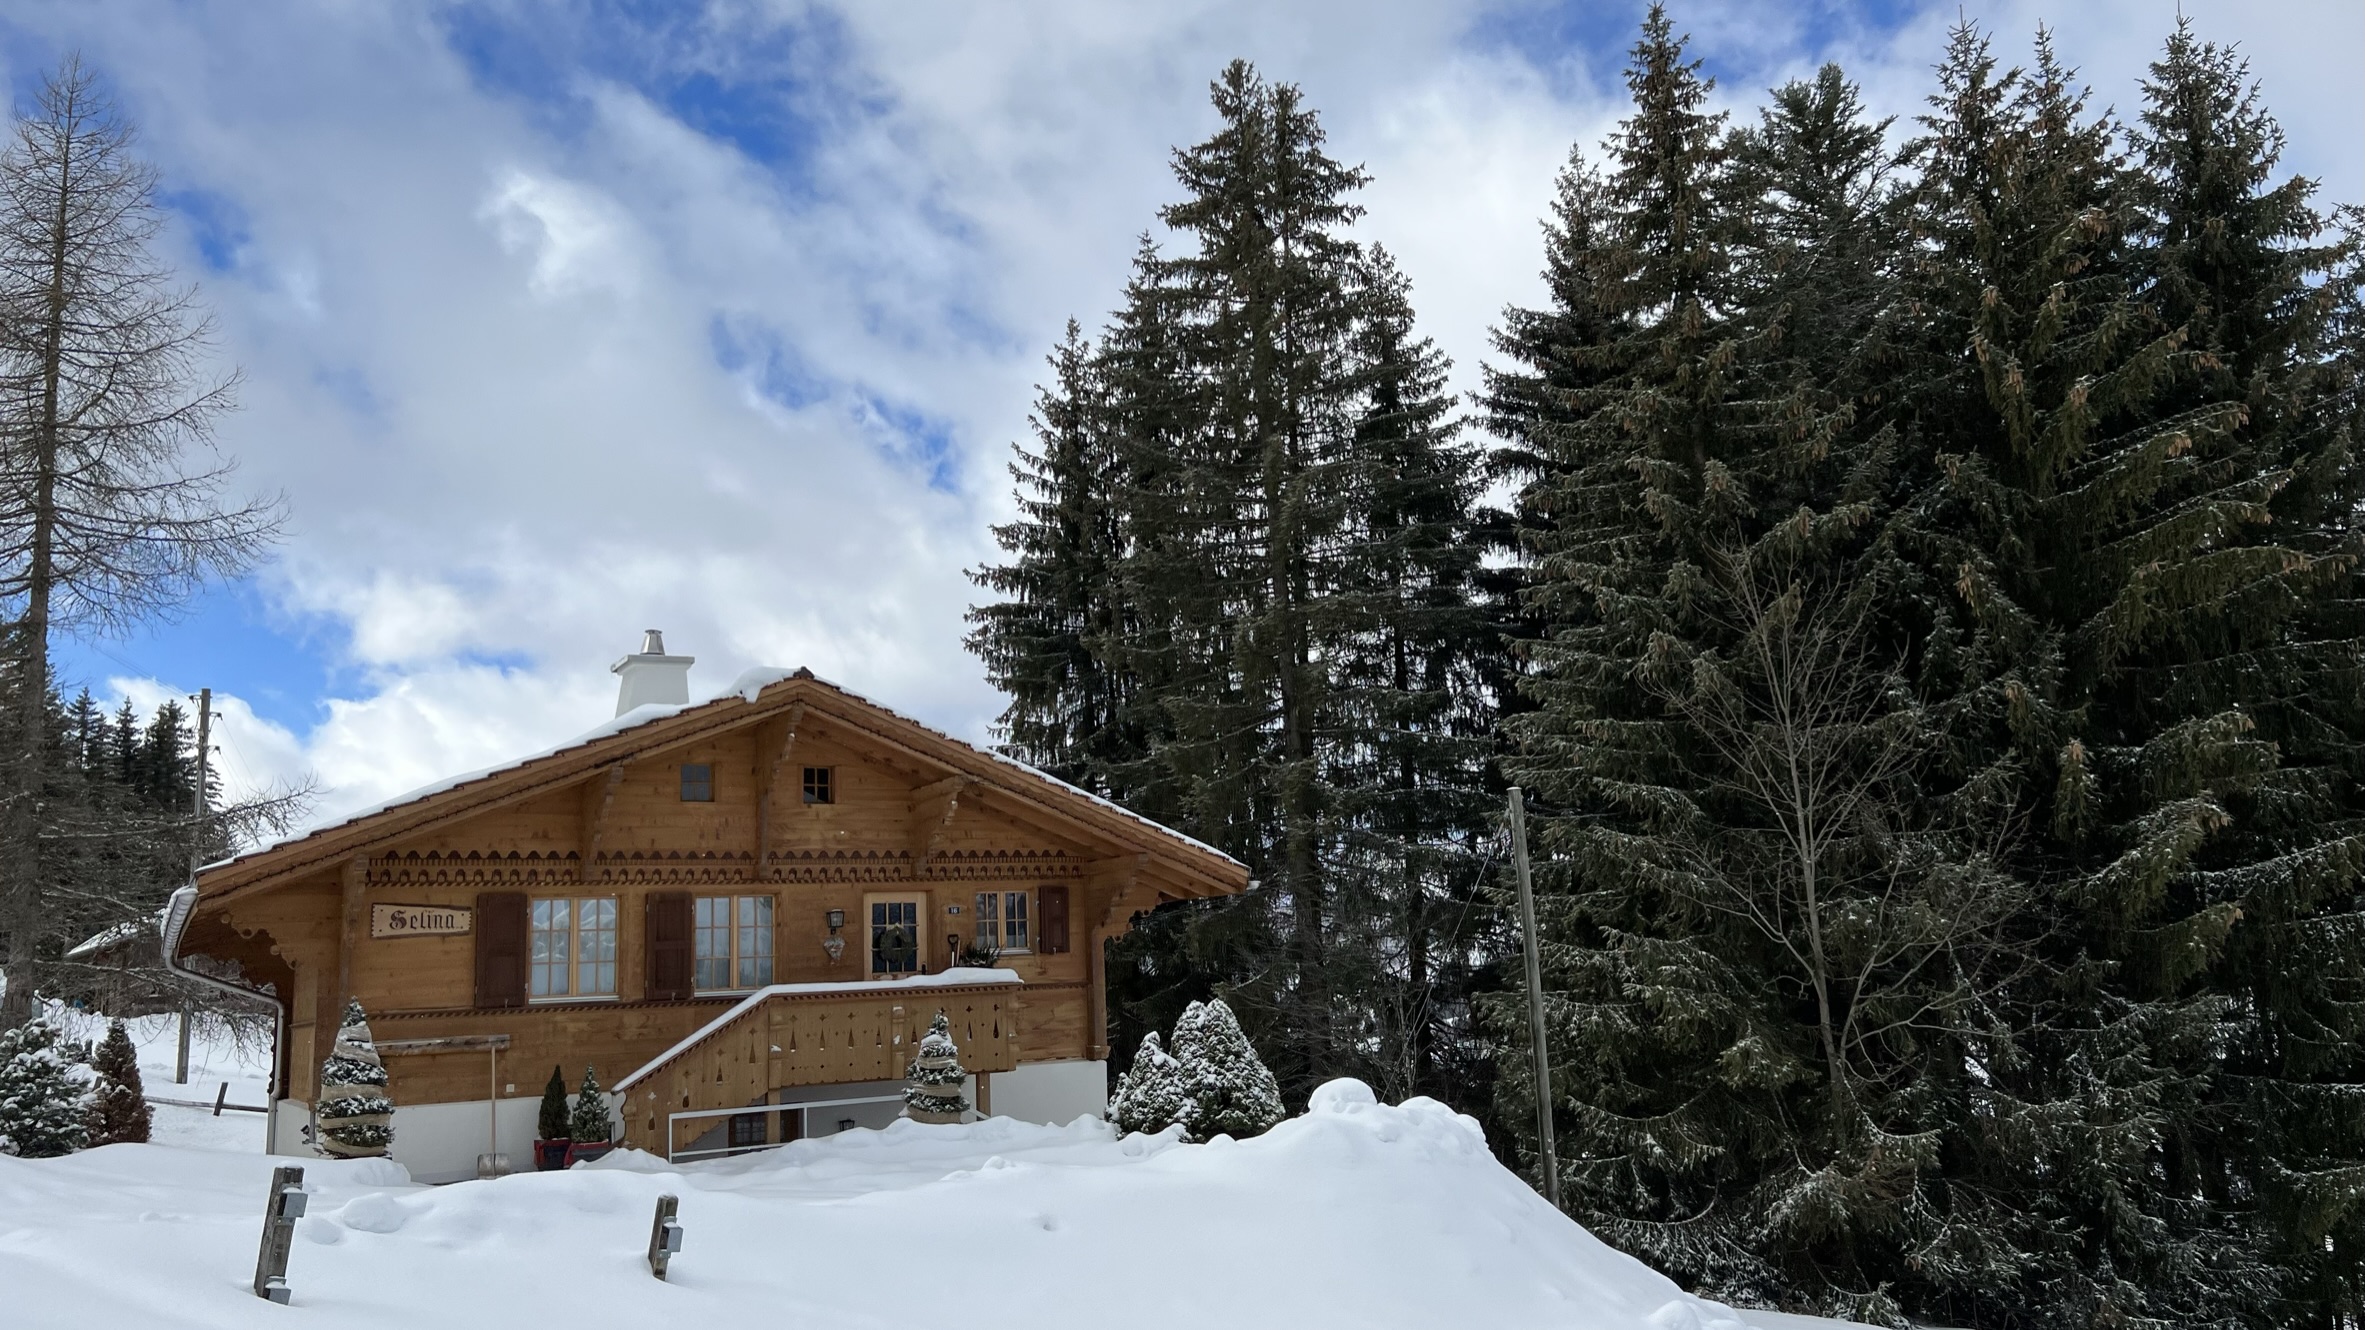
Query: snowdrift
{"x": 1356, "y": 1214}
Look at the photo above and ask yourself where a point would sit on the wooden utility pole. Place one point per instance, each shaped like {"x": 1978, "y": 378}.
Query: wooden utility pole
{"x": 205, "y": 709}
{"x": 1535, "y": 1002}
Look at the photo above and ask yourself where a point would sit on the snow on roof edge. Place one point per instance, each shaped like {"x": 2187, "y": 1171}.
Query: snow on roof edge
{"x": 951, "y": 978}
{"x": 747, "y": 687}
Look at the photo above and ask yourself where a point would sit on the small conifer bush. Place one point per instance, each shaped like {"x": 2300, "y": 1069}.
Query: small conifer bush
{"x": 554, "y": 1123}
{"x": 1228, "y": 1089}
{"x": 119, "y": 1111}
{"x": 590, "y": 1124}
{"x": 356, "y": 1115}
{"x": 935, "y": 1077}
{"x": 1150, "y": 1096}
{"x": 42, "y": 1112}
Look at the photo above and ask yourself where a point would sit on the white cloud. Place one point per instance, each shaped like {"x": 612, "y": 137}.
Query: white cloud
{"x": 480, "y": 329}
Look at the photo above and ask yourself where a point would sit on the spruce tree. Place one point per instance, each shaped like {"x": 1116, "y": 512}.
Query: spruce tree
{"x": 591, "y": 1123}
{"x": 354, "y": 1112}
{"x": 2251, "y": 274}
{"x": 934, "y": 1080}
{"x": 42, "y": 1109}
{"x": 1151, "y": 1096}
{"x": 1227, "y": 1089}
{"x": 1048, "y": 645}
{"x": 119, "y": 1109}
{"x": 2099, "y": 566}
{"x": 1762, "y": 944}
{"x": 1239, "y": 602}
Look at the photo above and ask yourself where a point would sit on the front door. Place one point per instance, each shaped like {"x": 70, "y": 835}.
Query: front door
{"x": 898, "y": 945}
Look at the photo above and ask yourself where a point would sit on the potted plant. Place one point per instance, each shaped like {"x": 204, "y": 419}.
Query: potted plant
{"x": 554, "y": 1132}
{"x": 593, "y": 1130}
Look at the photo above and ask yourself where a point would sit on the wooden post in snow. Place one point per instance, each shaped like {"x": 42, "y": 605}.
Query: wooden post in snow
{"x": 665, "y": 1236}
{"x": 280, "y": 1214}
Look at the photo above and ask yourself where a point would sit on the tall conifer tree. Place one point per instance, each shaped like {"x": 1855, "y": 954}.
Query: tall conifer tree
{"x": 1289, "y": 667}
{"x": 2239, "y": 261}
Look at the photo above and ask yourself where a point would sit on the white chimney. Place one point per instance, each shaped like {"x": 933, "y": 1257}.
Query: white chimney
{"x": 650, "y": 675}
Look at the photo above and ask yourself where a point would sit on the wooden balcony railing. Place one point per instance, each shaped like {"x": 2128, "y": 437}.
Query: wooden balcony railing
{"x": 815, "y": 1034}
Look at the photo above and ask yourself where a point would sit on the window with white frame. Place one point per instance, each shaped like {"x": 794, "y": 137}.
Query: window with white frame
{"x": 572, "y": 947}
{"x": 734, "y": 942}
{"x": 1003, "y": 921}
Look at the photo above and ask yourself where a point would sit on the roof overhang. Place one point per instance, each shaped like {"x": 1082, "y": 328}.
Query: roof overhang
{"x": 1187, "y": 866}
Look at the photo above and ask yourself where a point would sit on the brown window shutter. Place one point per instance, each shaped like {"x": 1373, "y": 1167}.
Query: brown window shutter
{"x": 501, "y": 949}
{"x": 1052, "y": 904}
{"x": 672, "y": 957}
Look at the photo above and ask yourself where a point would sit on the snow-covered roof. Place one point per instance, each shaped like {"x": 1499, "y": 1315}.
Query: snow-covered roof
{"x": 957, "y": 977}
{"x": 120, "y": 933}
{"x": 747, "y": 688}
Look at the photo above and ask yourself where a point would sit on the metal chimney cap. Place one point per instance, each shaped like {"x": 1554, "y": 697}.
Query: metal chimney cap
{"x": 652, "y": 642}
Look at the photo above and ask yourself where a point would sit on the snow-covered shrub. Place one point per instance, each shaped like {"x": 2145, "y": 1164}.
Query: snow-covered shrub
{"x": 591, "y": 1123}
{"x": 1227, "y": 1087}
{"x": 935, "y": 1076}
{"x": 354, "y": 1110}
{"x": 42, "y": 1112}
{"x": 119, "y": 1109}
{"x": 1150, "y": 1095}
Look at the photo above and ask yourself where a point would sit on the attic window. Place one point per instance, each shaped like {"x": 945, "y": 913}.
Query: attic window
{"x": 818, "y": 787}
{"x": 697, "y": 783}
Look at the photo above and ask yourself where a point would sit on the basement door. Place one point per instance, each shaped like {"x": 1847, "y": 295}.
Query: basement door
{"x": 898, "y": 945}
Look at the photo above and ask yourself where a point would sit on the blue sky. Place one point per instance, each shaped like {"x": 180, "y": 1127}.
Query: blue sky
{"x": 558, "y": 321}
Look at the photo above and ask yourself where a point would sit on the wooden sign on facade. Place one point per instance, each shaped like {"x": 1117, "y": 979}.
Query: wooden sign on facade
{"x": 418, "y": 920}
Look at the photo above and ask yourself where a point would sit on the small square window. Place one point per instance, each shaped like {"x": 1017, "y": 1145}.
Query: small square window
{"x": 818, "y": 787}
{"x": 697, "y": 783}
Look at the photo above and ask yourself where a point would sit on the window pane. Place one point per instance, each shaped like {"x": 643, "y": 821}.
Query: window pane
{"x": 713, "y": 942}
{"x": 894, "y": 937}
{"x": 595, "y": 934}
{"x": 550, "y": 939}
{"x": 755, "y": 941}
{"x": 989, "y": 932}
{"x": 1014, "y": 930}
{"x": 697, "y": 782}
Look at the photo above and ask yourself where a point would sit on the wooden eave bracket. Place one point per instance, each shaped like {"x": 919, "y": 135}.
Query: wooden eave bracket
{"x": 1129, "y": 891}
{"x": 932, "y": 810}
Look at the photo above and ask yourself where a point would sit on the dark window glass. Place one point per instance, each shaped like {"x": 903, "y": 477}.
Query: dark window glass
{"x": 747, "y": 1129}
{"x": 697, "y": 783}
{"x": 817, "y": 786}
{"x": 894, "y": 937}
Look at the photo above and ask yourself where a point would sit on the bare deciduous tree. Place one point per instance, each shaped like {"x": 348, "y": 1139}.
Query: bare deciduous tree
{"x": 112, "y": 509}
{"x": 1811, "y": 744}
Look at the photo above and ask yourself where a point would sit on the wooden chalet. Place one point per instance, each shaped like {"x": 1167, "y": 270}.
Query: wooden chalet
{"x": 742, "y": 913}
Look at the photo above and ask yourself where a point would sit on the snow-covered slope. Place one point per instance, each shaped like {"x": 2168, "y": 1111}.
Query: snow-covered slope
{"x": 1357, "y": 1214}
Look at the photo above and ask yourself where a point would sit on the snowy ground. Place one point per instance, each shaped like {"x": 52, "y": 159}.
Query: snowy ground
{"x": 1356, "y": 1214}
{"x": 216, "y": 1056}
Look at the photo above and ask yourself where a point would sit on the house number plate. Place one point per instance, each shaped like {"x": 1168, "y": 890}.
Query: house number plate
{"x": 417, "y": 920}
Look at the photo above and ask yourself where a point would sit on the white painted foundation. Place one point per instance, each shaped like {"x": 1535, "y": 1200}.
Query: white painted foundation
{"x": 436, "y": 1142}
{"x": 1055, "y": 1093}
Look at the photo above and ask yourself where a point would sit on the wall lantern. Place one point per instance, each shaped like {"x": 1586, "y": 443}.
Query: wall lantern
{"x": 833, "y": 944}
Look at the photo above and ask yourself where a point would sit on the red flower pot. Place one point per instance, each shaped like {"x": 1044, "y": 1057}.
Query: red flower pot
{"x": 551, "y": 1155}
{"x": 579, "y": 1151}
